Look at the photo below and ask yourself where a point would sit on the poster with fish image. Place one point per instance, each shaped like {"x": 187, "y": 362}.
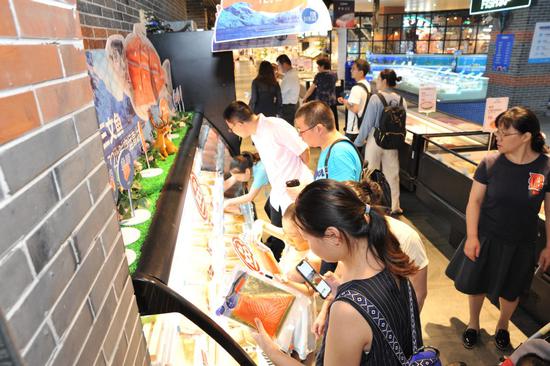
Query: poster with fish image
{"x": 128, "y": 81}
{"x": 250, "y": 19}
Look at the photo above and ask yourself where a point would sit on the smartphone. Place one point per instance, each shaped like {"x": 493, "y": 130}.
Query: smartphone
{"x": 293, "y": 183}
{"x": 313, "y": 278}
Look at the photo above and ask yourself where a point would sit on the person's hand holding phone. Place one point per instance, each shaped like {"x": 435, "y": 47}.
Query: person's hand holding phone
{"x": 333, "y": 280}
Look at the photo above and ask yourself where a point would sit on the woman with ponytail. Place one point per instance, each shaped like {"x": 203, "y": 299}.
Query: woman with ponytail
{"x": 340, "y": 227}
{"x": 498, "y": 256}
{"x": 244, "y": 168}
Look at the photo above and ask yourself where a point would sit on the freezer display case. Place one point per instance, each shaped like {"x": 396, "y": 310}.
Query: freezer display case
{"x": 205, "y": 277}
{"x": 419, "y": 127}
{"x": 444, "y": 181}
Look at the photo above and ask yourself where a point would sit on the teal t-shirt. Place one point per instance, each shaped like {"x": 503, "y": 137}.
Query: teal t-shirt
{"x": 343, "y": 164}
{"x": 260, "y": 176}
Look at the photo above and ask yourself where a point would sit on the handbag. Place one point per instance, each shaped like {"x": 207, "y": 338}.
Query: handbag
{"x": 423, "y": 356}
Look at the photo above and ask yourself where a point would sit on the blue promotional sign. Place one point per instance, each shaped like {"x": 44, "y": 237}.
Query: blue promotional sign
{"x": 125, "y": 169}
{"x": 503, "y": 52}
{"x": 250, "y": 19}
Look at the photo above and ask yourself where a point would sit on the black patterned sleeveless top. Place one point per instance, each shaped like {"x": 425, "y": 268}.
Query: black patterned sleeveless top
{"x": 393, "y": 301}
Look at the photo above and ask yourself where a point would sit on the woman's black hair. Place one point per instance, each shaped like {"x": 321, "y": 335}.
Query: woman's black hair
{"x": 240, "y": 163}
{"x": 327, "y": 203}
{"x": 266, "y": 74}
{"x": 323, "y": 62}
{"x": 390, "y": 76}
{"x": 524, "y": 120}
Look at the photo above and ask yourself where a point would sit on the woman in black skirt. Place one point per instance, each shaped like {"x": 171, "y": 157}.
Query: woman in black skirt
{"x": 497, "y": 258}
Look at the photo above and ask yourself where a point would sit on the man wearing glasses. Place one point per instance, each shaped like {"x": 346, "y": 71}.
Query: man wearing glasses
{"x": 339, "y": 159}
{"x": 284, "y": 155}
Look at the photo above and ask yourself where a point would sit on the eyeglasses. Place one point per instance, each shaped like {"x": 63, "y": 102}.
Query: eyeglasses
{"x": 302, "y": 132}
{"x": 499, "y": 133}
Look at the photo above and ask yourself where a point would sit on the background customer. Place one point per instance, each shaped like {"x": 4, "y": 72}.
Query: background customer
{"x": 323, "y": 87}
{"x": 266, "y": 93}
{"x": 358, "y": 98}
{"x": 290, "y": 88}
{"x": 374, "y": 154}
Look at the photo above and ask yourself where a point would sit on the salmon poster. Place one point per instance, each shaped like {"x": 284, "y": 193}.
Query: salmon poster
{"x": 127, "y": 81}
{"x": 250, "y": 19}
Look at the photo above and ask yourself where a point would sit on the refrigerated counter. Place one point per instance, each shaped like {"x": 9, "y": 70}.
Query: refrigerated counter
{"x": 443, "y": 183}
{"x": 419, "y": 127}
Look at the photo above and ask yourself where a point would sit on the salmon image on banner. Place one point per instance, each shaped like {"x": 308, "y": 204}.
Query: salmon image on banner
{"x": 146, "y": 72}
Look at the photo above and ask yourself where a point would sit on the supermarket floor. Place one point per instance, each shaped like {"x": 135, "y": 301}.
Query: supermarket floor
{"x": 445, "y": 311}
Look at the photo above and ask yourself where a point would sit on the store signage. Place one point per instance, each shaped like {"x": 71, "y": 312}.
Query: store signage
{"x": 488, "y": 6}
{"x": 198, "y": 195}
{"x": 251, "y": 19}
{"x": 427, "y": 99}
{"x": 344, "y": 14}
{"x": 503, "y": 52}
{"x": 540, "y": 45}
{"x": 494, "y": 107}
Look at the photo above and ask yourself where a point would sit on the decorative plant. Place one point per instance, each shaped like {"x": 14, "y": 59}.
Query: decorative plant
{"x": 139, "y": 199}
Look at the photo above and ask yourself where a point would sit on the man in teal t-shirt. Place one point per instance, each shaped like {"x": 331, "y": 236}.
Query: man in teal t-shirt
{"x": 315, "y": 124}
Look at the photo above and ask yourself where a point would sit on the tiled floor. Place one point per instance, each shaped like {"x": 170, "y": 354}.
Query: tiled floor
{"x": 446, "y": 310}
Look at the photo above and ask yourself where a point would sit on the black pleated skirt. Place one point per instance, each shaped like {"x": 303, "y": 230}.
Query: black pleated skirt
{"x": 501, "y": 270}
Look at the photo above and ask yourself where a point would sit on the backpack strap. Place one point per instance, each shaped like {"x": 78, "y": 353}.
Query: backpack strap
{"x": 370, "y": 311}
{"x": 383, "y": 100}
{"x": 364, "y": 87}
{"x": 330, "y": 149}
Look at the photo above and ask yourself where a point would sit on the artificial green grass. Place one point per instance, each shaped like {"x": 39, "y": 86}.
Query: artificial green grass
{"x": 152, "y": 187}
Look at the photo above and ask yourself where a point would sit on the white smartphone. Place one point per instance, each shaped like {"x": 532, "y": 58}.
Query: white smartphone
{"x": 313, "y": 278}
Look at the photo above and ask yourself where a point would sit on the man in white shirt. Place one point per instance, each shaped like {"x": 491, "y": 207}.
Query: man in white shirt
{"x": 358, "y": 97}
{"x": 284, "y": 155}
{"x": 290, "y": 88}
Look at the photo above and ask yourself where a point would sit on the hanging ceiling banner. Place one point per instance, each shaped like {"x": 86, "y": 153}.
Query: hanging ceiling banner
{"x": 250, "y": 19}
{"x": 488, "y": 6}
{"x": 279, "y": 41}
{"x": 344, "y": 14}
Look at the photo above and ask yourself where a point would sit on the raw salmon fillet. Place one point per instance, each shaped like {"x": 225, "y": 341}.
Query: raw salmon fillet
{"x": 271, "y": 309}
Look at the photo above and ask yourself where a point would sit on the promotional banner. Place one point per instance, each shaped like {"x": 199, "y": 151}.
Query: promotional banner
{"x": 344, "y": 14}
{"x": 427, "y": 99}
{"x": 503, "y": 52}
{"x": 128, "y": 81}
{"x": 540, "y": 45}
{"x": 493, "y": 107}
{"x": 249, "y": 19}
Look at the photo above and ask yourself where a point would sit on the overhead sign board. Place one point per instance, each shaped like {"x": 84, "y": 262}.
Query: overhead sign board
{"x": 489, "y": 6}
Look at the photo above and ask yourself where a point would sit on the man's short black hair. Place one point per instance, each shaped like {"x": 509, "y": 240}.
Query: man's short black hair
{"x": 238, "y": 110}
{"x": 283, "y": 59}
{"x": 362, "y": 65}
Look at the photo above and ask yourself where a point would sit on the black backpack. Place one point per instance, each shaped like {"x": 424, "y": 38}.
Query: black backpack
{"x": 391, "y": 131}
{"x": 360, "y": 119}
{"x": 374, "y": 175}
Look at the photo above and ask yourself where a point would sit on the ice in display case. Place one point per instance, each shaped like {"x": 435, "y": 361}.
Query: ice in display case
{"x": 420, "y": 126}
{"x": 444, "y": 181}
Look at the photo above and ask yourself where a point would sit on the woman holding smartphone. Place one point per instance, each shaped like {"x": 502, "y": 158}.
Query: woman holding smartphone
{"x": 341, "y": 228}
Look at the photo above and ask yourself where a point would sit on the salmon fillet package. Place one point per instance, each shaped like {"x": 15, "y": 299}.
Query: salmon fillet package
{"x": 251, "y": 296}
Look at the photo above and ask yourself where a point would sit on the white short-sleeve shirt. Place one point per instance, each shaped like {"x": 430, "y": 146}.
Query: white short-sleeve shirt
{"x": 409, "y": 241}
{"x": 357, "y": 95}
{"x": 280, "y": 147}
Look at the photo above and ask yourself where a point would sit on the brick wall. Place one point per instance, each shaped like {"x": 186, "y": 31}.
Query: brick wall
{"x": 526, "y": 84}
{"x": 197, "y": 12}
{"x": 65, "y": 291}
{"x": 102, "y": 18}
